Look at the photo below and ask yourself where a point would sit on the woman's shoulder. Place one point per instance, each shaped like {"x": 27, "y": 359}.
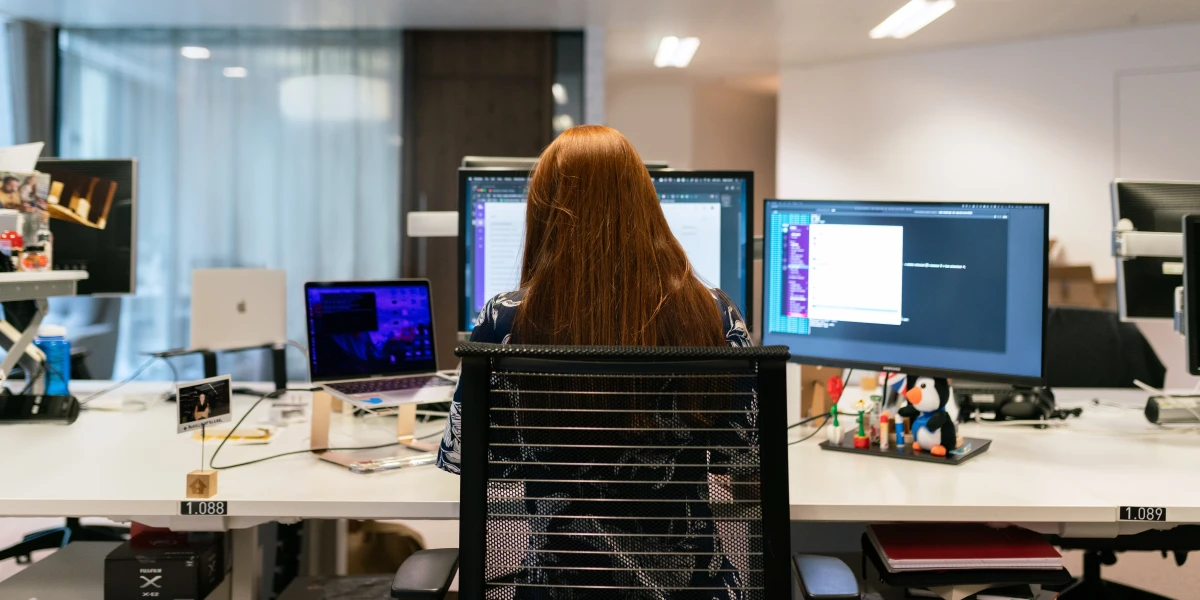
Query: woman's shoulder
{"x": 494, "y": 323}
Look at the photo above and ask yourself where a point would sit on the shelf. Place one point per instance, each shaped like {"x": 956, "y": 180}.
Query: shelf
{"x": 35, "y": 285}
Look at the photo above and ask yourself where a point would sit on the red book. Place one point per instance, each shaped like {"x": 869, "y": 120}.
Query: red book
{"x": 941, "y": 546}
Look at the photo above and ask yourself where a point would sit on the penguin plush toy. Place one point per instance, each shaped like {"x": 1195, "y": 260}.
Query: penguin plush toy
{"x": 932, "y": 427}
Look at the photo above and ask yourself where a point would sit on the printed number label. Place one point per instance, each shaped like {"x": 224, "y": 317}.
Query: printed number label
{"x": 1143, "y": 513}
{"x": 213, "y": 508}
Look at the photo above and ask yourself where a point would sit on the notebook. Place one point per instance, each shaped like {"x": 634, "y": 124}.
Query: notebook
{"x": 942, "y": 546}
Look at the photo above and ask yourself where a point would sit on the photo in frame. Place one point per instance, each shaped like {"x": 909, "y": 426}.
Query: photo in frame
{"x": 204, "y": 402}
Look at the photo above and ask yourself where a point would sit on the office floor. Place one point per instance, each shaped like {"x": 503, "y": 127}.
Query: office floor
{"x": 1149, "y": 571}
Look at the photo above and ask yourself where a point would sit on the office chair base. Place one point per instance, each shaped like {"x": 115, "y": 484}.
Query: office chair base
{"x": 1106, "y": 590}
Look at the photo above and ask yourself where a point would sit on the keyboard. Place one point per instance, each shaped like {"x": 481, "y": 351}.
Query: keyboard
{"x": 393, "y": 384}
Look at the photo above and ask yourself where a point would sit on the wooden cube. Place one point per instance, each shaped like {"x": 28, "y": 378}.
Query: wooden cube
{"x": 202, "y": 484}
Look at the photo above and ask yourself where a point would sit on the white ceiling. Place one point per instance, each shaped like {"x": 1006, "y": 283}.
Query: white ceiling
{"x": 738, "y": 37}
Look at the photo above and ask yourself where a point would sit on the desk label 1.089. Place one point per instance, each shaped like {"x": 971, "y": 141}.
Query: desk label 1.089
{"x": 1142, "y": 513}
{"x": 217, "y": 508}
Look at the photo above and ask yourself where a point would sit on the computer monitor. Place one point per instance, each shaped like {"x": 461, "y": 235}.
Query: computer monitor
{"x": 709, "y": 212}
{"x": 1191, "y": 290}
{"x": 943, "y": 290}
{"x": 94, "y": 223}
{"x": 1146, "y": 284}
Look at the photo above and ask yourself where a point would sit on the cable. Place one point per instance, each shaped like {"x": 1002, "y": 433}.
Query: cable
{"x": 808, "y": 420}
{"x": 293, "y": 452}
{"x": 137, "y": 372}
{"x": 805, "y": 438}
{"x": 300, "y": 347}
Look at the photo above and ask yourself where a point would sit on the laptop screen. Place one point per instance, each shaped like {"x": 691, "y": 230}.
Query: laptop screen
{"x": 367, "y": 329}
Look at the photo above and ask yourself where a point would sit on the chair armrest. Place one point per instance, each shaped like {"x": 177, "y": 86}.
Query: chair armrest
{"x": 825, "y": 578}
{"x": 426, "y": 575}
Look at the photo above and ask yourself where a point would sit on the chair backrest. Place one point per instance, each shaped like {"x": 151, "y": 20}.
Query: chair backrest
{"x": 603, "y": 472}
{"x": 1093, "y": 348}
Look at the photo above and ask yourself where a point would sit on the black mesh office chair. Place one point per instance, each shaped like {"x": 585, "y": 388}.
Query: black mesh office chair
{"x": 617, "y": 473}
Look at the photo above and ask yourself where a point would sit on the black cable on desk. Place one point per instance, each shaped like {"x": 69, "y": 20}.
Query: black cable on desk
{"x": 805, "y": 438}
{"x": 293, "y": 452}
{"x": 136, "y": 373}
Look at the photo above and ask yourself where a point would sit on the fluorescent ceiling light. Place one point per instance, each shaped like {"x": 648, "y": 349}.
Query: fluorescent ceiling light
{"x": 195, "y": 52}
{"x": 911, "y": 18}
{"x": 234, "y": 72}
{"x": 676, "y": 52}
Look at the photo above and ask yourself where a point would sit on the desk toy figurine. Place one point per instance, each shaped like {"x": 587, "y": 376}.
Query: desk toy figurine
{"x": 835, "y": 429}
{"x": 861, "y": 439}
{"x": 933, "y": 428}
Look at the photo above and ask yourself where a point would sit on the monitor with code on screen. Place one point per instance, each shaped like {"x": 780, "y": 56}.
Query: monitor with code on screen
{"x": 928, "y": 288}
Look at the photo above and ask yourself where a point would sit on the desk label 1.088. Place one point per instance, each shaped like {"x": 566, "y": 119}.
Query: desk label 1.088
{"x": 1142, "y": 513}
{"x": 214, "y": 508}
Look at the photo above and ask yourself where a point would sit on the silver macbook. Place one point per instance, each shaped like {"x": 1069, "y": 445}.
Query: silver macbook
{"x": 238, "y": 308}
{"x": 371, "y": 342}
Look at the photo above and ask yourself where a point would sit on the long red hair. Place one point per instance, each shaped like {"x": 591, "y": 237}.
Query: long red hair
{"x": 601, "y": 265}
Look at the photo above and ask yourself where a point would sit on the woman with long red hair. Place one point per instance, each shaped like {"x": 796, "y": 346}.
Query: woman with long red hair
{"x": 601, "y": 266}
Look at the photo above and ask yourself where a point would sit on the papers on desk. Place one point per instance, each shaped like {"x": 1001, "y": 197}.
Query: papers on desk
{"x": 953, "y": 546}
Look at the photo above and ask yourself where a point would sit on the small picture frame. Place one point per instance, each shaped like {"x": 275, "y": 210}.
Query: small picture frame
{"x": 204, "y": 402}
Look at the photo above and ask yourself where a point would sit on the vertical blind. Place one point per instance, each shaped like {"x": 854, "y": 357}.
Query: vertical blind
{"x": 279, "y": 150}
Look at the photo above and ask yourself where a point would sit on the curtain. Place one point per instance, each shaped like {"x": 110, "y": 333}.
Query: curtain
{"x": 7, "y": 119}
{"x": 280, "y": 150}
{"x": 30, "y": 69}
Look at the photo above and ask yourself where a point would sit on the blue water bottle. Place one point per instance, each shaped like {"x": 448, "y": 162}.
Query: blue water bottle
{"x": 52, "y": 340}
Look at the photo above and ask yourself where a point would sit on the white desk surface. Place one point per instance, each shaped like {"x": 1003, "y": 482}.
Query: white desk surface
{"x": 130, "y": 465}
{"x": 1079, "y": 473}
{"x": 133, "y": 465}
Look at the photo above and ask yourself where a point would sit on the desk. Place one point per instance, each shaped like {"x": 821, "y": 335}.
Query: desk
{"x": 1080, "y": 473}
{"x": 132, "y": 466}
{"x": 1069, "y": 480}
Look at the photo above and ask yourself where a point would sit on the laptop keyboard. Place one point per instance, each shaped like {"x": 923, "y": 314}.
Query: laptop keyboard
{"x": 395, "y": 384}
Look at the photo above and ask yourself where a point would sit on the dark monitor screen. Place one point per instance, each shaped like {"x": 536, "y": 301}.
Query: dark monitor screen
{"x": 367, "y": 329}
{"x": 1146, "y": 285}
{"x": 926, "y": 288}
{"x": 708, "y": 211}
{"x": 94, "y": 223}
{"x": 1191, "y": 290}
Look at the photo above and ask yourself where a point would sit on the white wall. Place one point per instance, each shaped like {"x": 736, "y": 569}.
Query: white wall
{"x": 1033, "y": 121}
{"x": 655, "y": 114}
{"x": 701, "y": 124}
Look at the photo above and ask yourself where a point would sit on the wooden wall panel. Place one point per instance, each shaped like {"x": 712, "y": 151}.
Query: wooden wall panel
{"x": 483, "y": 93}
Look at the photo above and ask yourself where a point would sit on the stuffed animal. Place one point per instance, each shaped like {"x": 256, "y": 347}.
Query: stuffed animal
{"x": 933, "y": 428}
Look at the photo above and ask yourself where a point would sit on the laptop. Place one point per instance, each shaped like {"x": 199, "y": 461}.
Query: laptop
{"x": 238, "y": 308}
{"x": 371, "y": 342}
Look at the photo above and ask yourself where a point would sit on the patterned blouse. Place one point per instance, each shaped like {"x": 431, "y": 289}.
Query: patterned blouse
{"x": 494, "y": 325}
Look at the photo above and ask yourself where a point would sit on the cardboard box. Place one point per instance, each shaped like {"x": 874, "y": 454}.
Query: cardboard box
{"x": 174, "y": 570}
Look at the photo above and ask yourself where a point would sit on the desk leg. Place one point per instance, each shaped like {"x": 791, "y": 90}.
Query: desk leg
{"x": 247, "y": 565}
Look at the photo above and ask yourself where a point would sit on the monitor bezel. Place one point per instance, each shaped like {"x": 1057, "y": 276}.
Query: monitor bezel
{"x": 1191, "y": 291}
{"x": 1004, "y": 378}
{"x": 463, "y": 215}
{"x": 1122, "y": 283}
{"x": 433, "y": 345}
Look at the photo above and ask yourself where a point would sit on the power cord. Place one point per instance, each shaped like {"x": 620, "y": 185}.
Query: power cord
{"x": 815, "y": 431}
{"x": 275, "y": 394}
{"x": 136, "y": 373}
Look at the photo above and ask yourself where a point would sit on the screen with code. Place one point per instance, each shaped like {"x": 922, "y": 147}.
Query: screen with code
{"x": 933, "y": 287}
